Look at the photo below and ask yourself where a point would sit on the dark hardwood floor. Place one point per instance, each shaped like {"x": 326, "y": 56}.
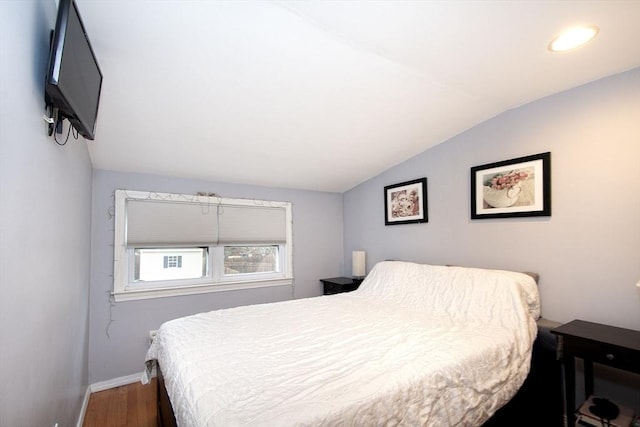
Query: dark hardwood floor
{"x": 132, "y": 405}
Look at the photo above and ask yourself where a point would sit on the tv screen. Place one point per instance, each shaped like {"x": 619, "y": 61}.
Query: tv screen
{"x": 74, "y": 79}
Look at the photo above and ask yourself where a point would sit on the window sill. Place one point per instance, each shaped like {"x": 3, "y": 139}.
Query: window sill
{"x": 138, "y": 294}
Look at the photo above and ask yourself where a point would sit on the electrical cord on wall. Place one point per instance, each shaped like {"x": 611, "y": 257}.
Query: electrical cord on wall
{"x": 112, "y": 304}
{"x": 55, "y": 132}
{"x": 69, "y": 132}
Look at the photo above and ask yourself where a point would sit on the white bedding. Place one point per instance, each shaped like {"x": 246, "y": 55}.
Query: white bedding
{"x": 414, "y": 345}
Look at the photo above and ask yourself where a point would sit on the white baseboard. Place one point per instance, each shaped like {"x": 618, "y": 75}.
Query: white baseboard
{"x": 115, "y": 382}
{"x": 83, "y": 409}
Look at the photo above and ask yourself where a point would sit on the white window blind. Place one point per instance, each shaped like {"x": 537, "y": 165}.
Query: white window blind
{"x": 163, "y": 223}
{"x": 252, "y": 224}
{"x": 153, "y": 223}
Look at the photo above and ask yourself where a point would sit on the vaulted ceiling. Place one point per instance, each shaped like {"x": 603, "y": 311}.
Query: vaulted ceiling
{"x": 323, "y": 95}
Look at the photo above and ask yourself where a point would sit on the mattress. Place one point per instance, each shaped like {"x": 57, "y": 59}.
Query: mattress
{"x": 414, "y": 345}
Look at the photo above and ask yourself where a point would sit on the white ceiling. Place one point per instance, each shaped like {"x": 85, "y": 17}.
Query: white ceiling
{"x": 323, "y": 95}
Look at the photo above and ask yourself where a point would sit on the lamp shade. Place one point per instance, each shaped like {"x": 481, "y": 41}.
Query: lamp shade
{"x": 358, "y": 263}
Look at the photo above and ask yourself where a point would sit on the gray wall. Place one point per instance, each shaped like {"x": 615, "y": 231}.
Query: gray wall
{"x": 45, "y": 212}
{"x": 587, "y": 253}
{"x": 119, "y": 331}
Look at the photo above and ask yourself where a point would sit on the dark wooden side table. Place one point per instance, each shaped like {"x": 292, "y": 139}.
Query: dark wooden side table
{"x": 336, "y": 285}
{"x": 594, "y": 342}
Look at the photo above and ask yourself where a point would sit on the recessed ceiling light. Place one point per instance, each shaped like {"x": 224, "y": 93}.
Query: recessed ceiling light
{"x": 573, "y": 38}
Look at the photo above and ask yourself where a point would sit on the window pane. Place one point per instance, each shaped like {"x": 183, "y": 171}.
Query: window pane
{"x": 250, "y": 259}
{"x": 170, "y": 263}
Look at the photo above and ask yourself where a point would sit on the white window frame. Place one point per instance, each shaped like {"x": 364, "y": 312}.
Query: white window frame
{"x": 125, "y": 290}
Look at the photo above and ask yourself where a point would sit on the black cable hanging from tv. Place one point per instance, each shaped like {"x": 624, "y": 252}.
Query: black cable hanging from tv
{"x": 59, "y": 122}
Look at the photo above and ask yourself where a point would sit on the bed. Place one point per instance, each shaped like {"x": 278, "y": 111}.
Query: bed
{"x": 414, "y": 345}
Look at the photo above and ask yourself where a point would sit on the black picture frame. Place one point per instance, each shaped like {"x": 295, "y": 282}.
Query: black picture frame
{"x": 519, "y": 187}
{"x": 406, "y": 202}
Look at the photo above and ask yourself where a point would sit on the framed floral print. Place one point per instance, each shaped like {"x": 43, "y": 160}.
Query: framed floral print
{"x": 518, "y": 187}
{"x": 406, "y": 203}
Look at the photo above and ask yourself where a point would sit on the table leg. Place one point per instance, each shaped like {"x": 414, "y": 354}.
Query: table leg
{"x": 588, "y": 378}
{"x": 570, "y": 388}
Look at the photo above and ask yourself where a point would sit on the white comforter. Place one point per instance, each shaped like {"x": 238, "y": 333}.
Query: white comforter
{"x": 414, "y": 345}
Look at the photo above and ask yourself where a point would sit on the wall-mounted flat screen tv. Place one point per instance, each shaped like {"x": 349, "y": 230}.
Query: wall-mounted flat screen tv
{"x": 74, "y": 79}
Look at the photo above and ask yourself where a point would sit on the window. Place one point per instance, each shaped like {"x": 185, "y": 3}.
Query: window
{"x": 175, "y": 244}
{"x": 250, "y": 259}
{"x": 167, "y": 264}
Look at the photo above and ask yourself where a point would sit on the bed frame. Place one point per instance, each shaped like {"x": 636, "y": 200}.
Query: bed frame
{"x": 166, "y": 417}
{"x": 537, "y": 403}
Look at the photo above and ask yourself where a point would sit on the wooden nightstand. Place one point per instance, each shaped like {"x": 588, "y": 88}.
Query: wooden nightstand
{"x": 336, "y": 285}
{"x": 593, "y": 342}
